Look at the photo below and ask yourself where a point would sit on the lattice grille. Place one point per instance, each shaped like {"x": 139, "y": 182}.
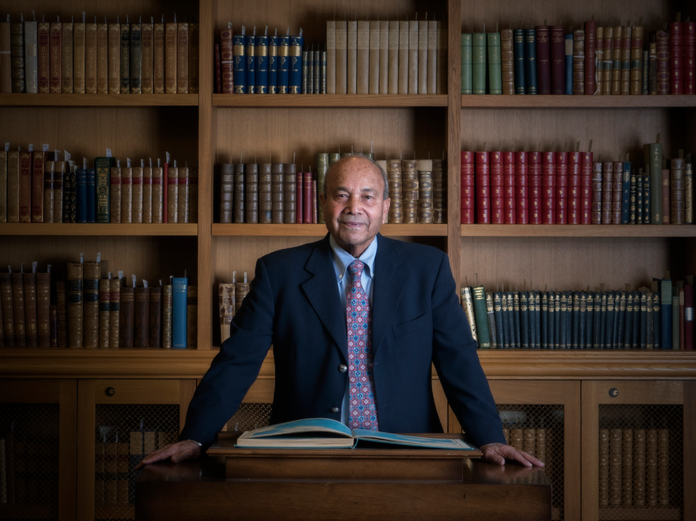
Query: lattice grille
{"x": 641, "y": 462}
{"x": 250, "y": 416}
{"x": 29, "y": 450}
{"x": 539, "y": 430}
{"x": 124, "y": 435}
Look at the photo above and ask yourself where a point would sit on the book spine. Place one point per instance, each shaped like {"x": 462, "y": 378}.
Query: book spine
{"x": 677, "y": 319}
{"x": 61, "y": 315}
{"x": 677, "y": 195}
{"x": 591, "y": 58}
{"x": 468, "y": 307}
{"x": 295, "y": 78}
{"x": 273, "y": 64}
{"x": 91, "y": 304}
{"x": 179, "y": 308}
{"x": 158, "y": 61}
{"x": 384, "y": 64}
{"x": 655, "y": 156}
{"x": 261, "y": 74}
{"x": 56, "y": 46}
{"x": 81, "y": 195}
{"x": 422, "y": 57}
{"x": 300, "y": 204}
{"x": 616, "y": 67}
{"x": 125, "y": 73}
{"x": 31, "y": 65}
{"x": 192, "y": 316}
{"x": 74, "y": 299}
{"x": 666, "y": 314}
{"x": 114, "y": 58}
{"x": 13, "y": 186}
{"x": 193, "y": 59}
{"x": 393, "y": 58}
{"x": 137, "y": 194}
{"x": 341, "y": 57}
{"x": 167, "y": 316}
{"x": 102, "y": 58}
{"x": 184, "y": 196}
{"x": 70, "y": 194}
{"x": 277, "y": 193}
{"x": 147, "y": 59}
{"x": 170, "y": 58}
{"x": 478, "y": 61}
{"x": 126, "y": 317}
{"x": 374, "y": 57}
{"x": 403, "y": 68}
{"x": 37, "y": 188}
{"x": 79, "y": 57}
{"x": 3, "y": 186}
{"x": 413, "y": 57}
{"x": 352, "y": 57}
{"x": 127, "y": 195}
{"x": 158, "y": 190}
{"x": 432, "y": 57}
{"x": 688, "y": 194}
{"x": 626, "y": 193}
{"x": 250, "y": 53}
{"x": 507, "y": 61}
{"x": 136, "y": 58}
{"x": 66, "y": 61}
{"x": 17, "y": 55}
{"x": 617, "y": 193}
{"x": 467, "y": 64}
{"x": 251, "y": 193}
{"x": 43, "y": 52}
{"x": 289, "y": 193}
{"x": 182, "y": 58}
{"x": 662, "y": 64}
{"x": 115, "y": 193}
{"x": 626, "y": 60}
{"x": 494, "y": 64}
{"x": 173, "y": 195}
{"x": 25, "y": 176}
{"x": 141, "y": 315}
{"x": 7, "y": 309}
{"x": 543, "y": 53}
{"x": 30, "y": 318}
{"x": 43, "y": 304}
{"x": 519, "y": 61}
{"x": 557, "y": 54}
{"x": 676, "y": 58}
{"x": 530, "y": 57}
{"x": 491, "y": 321}
{"x": 102, "y": 166}
{"x": 104, "y": 312}
{"x": 638, "y": 83}
{"x": 569, "y": 50}
{"x": 155, "y": 317}
{"x": 363, "y": 57}
{"x": 330, "y": 57}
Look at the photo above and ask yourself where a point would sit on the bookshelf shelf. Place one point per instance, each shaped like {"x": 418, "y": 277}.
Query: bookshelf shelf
{"x": 319, "y": 230}
{"x": 640, "y": 513}
{"x": 575, "y": 230}
{"x": 25, "y": 229}
{"x": 327, "y": 100}
{"x": 98, "y": 100}
{"x": 577, "y": 102}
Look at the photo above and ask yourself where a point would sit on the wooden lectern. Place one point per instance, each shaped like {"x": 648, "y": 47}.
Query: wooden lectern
{"x": 377, "y": 482}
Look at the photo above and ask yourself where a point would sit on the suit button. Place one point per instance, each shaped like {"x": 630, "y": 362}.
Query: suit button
{"x": 335, "y": 410}
{"x": 342, "y": 368}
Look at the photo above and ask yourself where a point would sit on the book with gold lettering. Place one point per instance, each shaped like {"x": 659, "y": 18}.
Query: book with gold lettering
{"x": 56, "y": 38}
{"x": 468, "y": 307}
{"x": 91, "y": 304}
{"x": 7, "y": 309}
{"x": 158, "y": 58}
{"x": 182, "y": 58}
{"x": 13, "y": 186}
{"x": 136, "y": 58}
{"x": 170, "y": 58}
{"x": 167, "y": 316}
{"x": 37, "y": 188}
{"x": 155, "y": 319}
{"x": 79, "y": 57}
{"x": 114, "y": 313}
{"x": 157, "y": 195}
{"x": 103, "y": 58}
{"x": 147, "y": 54}
{"x": 183, "y": 196}
{"x": 138, "y": 186}
{"x": 125, "y": 73}
{"x": 43, "y": 301}
{"x": 25, "y": 176}
{"x": 142, "y": 317}
{"x": 17, "y": 56}
{"x": 91, "y": 57}
{"x": 126, "y": 194}
{"x": 104, "y": 311}
{"x": 126, "y": 317}
{"x": 30, "y": 318}
{"x": 75, "y": 304}
{"x": 115, "y": 194}
{"x": 172, "y": 194}
{"x": 66, "y": 61}
{"x": 43, "y": 52}
{"x": 114, "y": 58}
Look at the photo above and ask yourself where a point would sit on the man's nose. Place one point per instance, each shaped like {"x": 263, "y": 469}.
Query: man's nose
{"x": 353, "y": 204}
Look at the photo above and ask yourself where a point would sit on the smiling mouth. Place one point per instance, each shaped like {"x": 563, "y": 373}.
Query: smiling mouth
{"x": 351, "y": 224}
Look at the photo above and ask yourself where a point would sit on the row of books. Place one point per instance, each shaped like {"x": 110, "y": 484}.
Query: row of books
{"x": 117, "y": 453}
{"x": 573, "y": 188}
{"x": 98, "y": 58}
{"x": 89, "y": 309}
{"x": 38, "y": 187}
{"x": 656, "y": 318}
{"x": 609, "y": 60}
{"x": 231, "y": 295}
{"x": 386, "y": 57}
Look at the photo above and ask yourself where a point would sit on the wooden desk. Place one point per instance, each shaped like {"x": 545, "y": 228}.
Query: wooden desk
{"x": 199, "y": 490}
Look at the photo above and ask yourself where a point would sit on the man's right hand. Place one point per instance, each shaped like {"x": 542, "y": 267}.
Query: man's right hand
{"x": 178, "y": 452}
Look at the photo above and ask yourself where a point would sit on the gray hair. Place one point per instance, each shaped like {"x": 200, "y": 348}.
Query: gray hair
{"x": 374, "y": 163}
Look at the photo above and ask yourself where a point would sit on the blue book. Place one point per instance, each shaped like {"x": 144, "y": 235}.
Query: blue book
{"x": 91, "y": 195}
{"x": 262, "y": 64}
{"x": 283, "y": 65}
{"x": 545, "y": 320}
{"x": 272, "y": 64}
{"x": 569, "y": 63}
{"x": 498, "y": 312}
{"x": 666, "y": 314}
{"x": 250, "y": 43}
{"x": 589, "y": 315}
{"x": 537, "y": 320}
{"x": 239, "y": 63}
{"x": 639, "y": 197}
{"x": 81, "y": 195}
{"x": 518, "y": 53}
{"x": 655, "y": 319}
{"x": 295, "y": 80}
{"x": 646, "y": 199}
{"x": 524, "y": 319}
{"x": 179, "y": 304}
{"x": 626, "y": 198}
{"x": 530, "y": 70}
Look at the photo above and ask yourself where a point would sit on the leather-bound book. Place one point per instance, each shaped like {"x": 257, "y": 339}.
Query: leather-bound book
{"x": 409, "y": 179}
{"x": 483, "y": 188}
{"x": 251, "y": 193}
{"x": 7, "y": 309}
{"x": 241, "y": 290}
{"x": 617, "y": 193}
{"x": 599, "y": 60}
{"x": 494, "y": 64}
{"x": 43, "y": 53}
{"x": 136, "y": 58}
{"x": 265, "y": 202}
{"x": 561, "y": 207}
{"x": 557, "y": 36}
{"x": 18, "y": 303}
{"x": 167, "y": 316}
{"x": 277, "y": 193}
{"x": 17, "y": 55}
{"x": 439, "y": 192}
{"x": 192, "y": 316}
{"x": 653, "y": 157}
{"x": 307, "y": 209}
{"x": 157, "y": 195}
{"x": 75, "y": 303}
{"x": 184, "y": 195}
{"x": 173, "y": 194}
{"x": 607, "y": 189}
{"x": 238, "y": 207}
{"x": 663, "y": 467}
{"x": 530, "y": 60}
{"x": 413, "y": 57}
{"x": 37, "y": 187}
{"x": 639, "y": 198}
{"x": 534, "y": 163}
{"x": 61, "y": 314}
{"x": 467, "y": 80}
{"x": 331, "y": 56}
{"x": 425, "y": 191}
{"x": 141, "y": 315}
{"x": 48, "y": 202}
{"x": 179, "y": 311}
{"x": 627, "y": 470}
{"x": 30, "y": 316}
{"x": 91, "y": 57}
{"x": 56, "y": 47}
{"x": 639, "y": 467}
{"x": 508, "y": 62}
{"x": 543, "y": 55}
{"x": 615, "y": 466}
{"x": 497, "y": 188}
{"x": 70, "y": 193}
{"x": 626, "y": 60}
{"x": 591, "y": 46}
{"x": 651, "y": 463}
{"x": 126, "y": 317}
{"x": 5, "y": 58}
{"x": 31, "y": 65}
{"x": 115, "y": 58}
{"x": 102, "y": 173}
{"x": 352, "y": 58}
{"x": 193, "y": 61}
{"x": 115, "y": 313}
{"x": 66, "y": 61}
{"x": 665, "y": 193}
{"x": 636, "y": 75}
{"x": 91, "y": 304}
{"x": 233, "y": 62}
{"x": 227, "y": 307}
{"x": 548, "y": 197}
{"x": 125, "y": 72}
{"x": 384, "y": 50}
{"x": 155, "y": 317}
{"x": 43, "y": 304}
{"x": 289, "y": 193}
{"x": 226, "y": 192}
{"x": 25, "y": 176}
{"x": 104, "y": 312}
{"x": 616, "y": 65}
{"x": 478, "y": 63}
{"x": 363, "y": 57}
{"x": 374, "y": 57}
{"x": 597, "y": 186}
{"x": 677, "y": 192}
{"x": 299, "y": 198}
{"x": 126, "y": 194}
{"x": 519, "y": 61}
{"x": 574, "y": 187}
{"x": 645, "y": 75}
{"x": 147, "y": 57}
{"x": 521, "y": 188}
{"x": 12, "y": 180}
{"x": 182, "y": 55}
{"x": 79, "y": 57}
{"x": 689, "y": 57}
{"x": 403, "y": 54}
{"x": 147, "y": 194}
{"x": 158, "y": 58}
{"x": 250, "y": 51}
{"x": 604, "y": 457}
{"x": 103, "y": 58}
{"x": 579, "y": 62}
{"x": 676, "y": 58}
{"x": 608, "y": 58}
{"x": 136, "y": 189}
{"x": 395, "y": 190}
{"x": 662, "y": 51}
{"x": 170, "y": 58}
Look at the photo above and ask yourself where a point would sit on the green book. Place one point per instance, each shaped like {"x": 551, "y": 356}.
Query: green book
{"x": 467, "y": 80}
{"x": 103, "y": 167}
{"x": 125, "y": 59}
{"x": 494, "y": 64}
{"x": 136, "y": 58}
{"x": 675, "y": 319}
{"x": 656, "y": 183}
{"x": 478, "y": 60}
{"x": 481, "y": 313}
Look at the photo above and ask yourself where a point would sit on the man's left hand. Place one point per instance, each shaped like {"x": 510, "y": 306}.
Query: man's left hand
{"x": 498, "y": 453}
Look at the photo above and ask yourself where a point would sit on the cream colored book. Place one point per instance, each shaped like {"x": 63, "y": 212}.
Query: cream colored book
{"x": 103, "y": 58}
{"x": 422, "y": 57}
{"x": 384, "y": 57}
{"x": 91, "y": 58}
{"x": 114, "y": 58}
{"x": 393, "y": 65}
{"x": 432, "y": 57}
{"x": 341, "y": 57}
{"x": 374, "y": 57}
{"x": 363, "y": 81}
{"x": 331, "y": 57}
{"x": 403, "y": 57}
{"x": 352, "y": 57}
{"x": 79, "y": 58}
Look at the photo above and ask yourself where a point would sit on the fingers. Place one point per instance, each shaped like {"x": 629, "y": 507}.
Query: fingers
{"x": 178, "y": 452}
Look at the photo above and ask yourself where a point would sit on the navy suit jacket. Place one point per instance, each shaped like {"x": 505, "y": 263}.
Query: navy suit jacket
{"x": 294, "y": 305}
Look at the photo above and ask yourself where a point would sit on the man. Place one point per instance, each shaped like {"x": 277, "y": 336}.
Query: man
{"x": 356, "y": 321}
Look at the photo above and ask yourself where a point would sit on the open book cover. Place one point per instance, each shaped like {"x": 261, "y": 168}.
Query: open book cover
{"x": 323, "y": 433}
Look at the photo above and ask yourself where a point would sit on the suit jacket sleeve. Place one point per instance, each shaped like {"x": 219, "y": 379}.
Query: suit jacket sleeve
{"x": 236, "y": 367}
{"x": 457, "y": 363}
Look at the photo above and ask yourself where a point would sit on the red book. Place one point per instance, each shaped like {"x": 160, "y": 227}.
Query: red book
{"x": 548, "y": 174}
{"x": 37, "y": 188}
{"x": 307, "y": 197}
{"x": 662, "y": 41}
{"x": 665, "y": 197}
{"x": 483, "y": 194}
{"x": 521, "y": 183}
{"x": 227, "y": 61}
{"x": 574, "y": 187}
{"x": 590, "y": 46}
{"x": 676, "y": 43}
{"x": 586, "y": 195}
{"x": 688, "y": 317}
{"x": 510, "y": 185}
{"x": 617, "y": 193}
{"x": 534, "y": 177}
{"x": 557, "y": 59}
{"x": 25, "y": 175}
{"x": 218, "y": 70}
{"x": 543, "y": 54}
{"x": 561, "y": 188}
{"x": 165, "y": 189}
{"x": 43, "y": 52}
{"x": 689, "y": 57}
{"x": 299, "y": 193}
{"x": 467, "y": 188}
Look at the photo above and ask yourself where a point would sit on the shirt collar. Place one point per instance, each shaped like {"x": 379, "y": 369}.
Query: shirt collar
{"x": 342, "y": 259}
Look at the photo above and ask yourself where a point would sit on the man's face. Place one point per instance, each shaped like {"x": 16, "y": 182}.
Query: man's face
{"x": 354, "y": 206}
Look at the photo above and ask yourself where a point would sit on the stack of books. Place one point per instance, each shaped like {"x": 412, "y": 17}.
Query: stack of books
{"x": 99, "y": 58}
{"x": 232, "y": 295}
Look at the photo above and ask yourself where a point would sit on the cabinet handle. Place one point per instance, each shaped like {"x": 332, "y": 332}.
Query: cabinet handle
{"x": 110, "y": 391}
{"x": 613, "y": 392}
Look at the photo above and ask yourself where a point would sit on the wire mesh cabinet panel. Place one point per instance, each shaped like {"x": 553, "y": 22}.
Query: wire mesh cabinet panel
{"x": 634, "y": 436}
{"x": 37, "y": 449}
{"x": 255, "y": 409}
{"x": 121, "y": 421}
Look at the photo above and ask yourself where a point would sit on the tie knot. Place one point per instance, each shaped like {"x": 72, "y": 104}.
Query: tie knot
{"x": 356, "y": 269}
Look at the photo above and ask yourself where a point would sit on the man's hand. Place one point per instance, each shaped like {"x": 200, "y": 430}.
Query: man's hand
{"x": 178, "y": 452}
{"x": 498, "y": 453}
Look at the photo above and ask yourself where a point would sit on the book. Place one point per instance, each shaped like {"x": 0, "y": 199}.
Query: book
{"x": 543, "y": 55}
{"x": 158, "y": 59}
{"x": 467, "y": 64}
{"x": 273, "y": 65}
{"x": 158, "y": 191}
{"x": 74, "y": 297}
{"x": 5, "y": 58}
{"x": 480, "y": 314}
{"x": 127, "y": 194}
{"x": 125, "y": 58}
{"x": 557, "y": 63}
{"x": 141, "y": 317}
{"x": 626, "y": 60}
{"x": 494, "y": 64}
{"x": 30, "y": 319}
{"x": 638, "y": 83}
{"x": 363, "y": 58}
{"x": 126, "y": 317}
{"x": 569, "y": 62}
{"x": 167, "y": 316}
{"x": 155, "y": 318}
{"x": 115, "y": 314}
{"x": 147, "y": 58}
{"x": 61, "y": 315}
{"x": 184, "y": 195}
{"x": 78, "y": 63}
{"x": 478, "y": 63}
{"x": 103, "y": 58}
{"x": 250, "y": 53}
{"x": 17, "y": 53}
{"x": 320, "y": 433}
{"x": 507, "y": 62}
{"x": 261, "y": 56}
{"x": 179, "y": 308}
{"x": 617, "y": 46}
{"x": 114, "y": 58}
{"x": 104, "y": 311}
{"x": 530, "y": 57}
{"x": 43, "y": 297}
{"x": 422, "y": 57}
{"x": 172, "y": 194}
{"x": 413, "y": 57}
{"x": 136, "y": 58}
{"x": 25, "y": 176}
{"x": 66, "y": 61}
{"x": 193, "y": 59}
{"x": 374, "y": 57}
{"x": 182, "y": 58}
{"x": 442, "y": 45}
{"x": 655, "y": 158}
{"x": 331, "y": 56}
{"x": 295, "y": 73}
{"x": 90, "y": 304}
{"x": 192, "y": 316}
{"x": 384, "y": 51}
{"x": 31, "y": 64}
{"x": 170, "y": 58}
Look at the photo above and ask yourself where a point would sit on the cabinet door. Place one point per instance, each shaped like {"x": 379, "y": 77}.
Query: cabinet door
{"x": 255, "y": 409}
{"x": 37, "y": 449}
{"x": 633, "y": 436}
{"x": 120, "y": 421}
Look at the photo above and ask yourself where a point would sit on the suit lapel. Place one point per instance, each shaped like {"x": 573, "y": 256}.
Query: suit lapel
{"x": 322, "y": 292}
{"x": 387, "y": 290}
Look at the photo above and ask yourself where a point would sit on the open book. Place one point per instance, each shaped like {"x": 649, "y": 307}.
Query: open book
{"x": 323, "y": 433}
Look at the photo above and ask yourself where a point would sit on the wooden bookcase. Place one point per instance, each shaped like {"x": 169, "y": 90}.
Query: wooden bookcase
{"x": 208, "y": 128}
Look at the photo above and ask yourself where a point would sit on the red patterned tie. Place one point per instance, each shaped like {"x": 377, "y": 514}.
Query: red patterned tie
{"x": 362, "y": 408}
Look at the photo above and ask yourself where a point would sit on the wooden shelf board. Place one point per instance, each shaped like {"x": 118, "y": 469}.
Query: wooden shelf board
{"x": 577, "y": 102}
{"x": 98, "y": 100}
{"x": 319, "y": 230}
{"x": 327, "y": 100}
{"x": 577, "y": 230}
{"x": 98, "y": 229}
{"x": 640, "y": 513}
